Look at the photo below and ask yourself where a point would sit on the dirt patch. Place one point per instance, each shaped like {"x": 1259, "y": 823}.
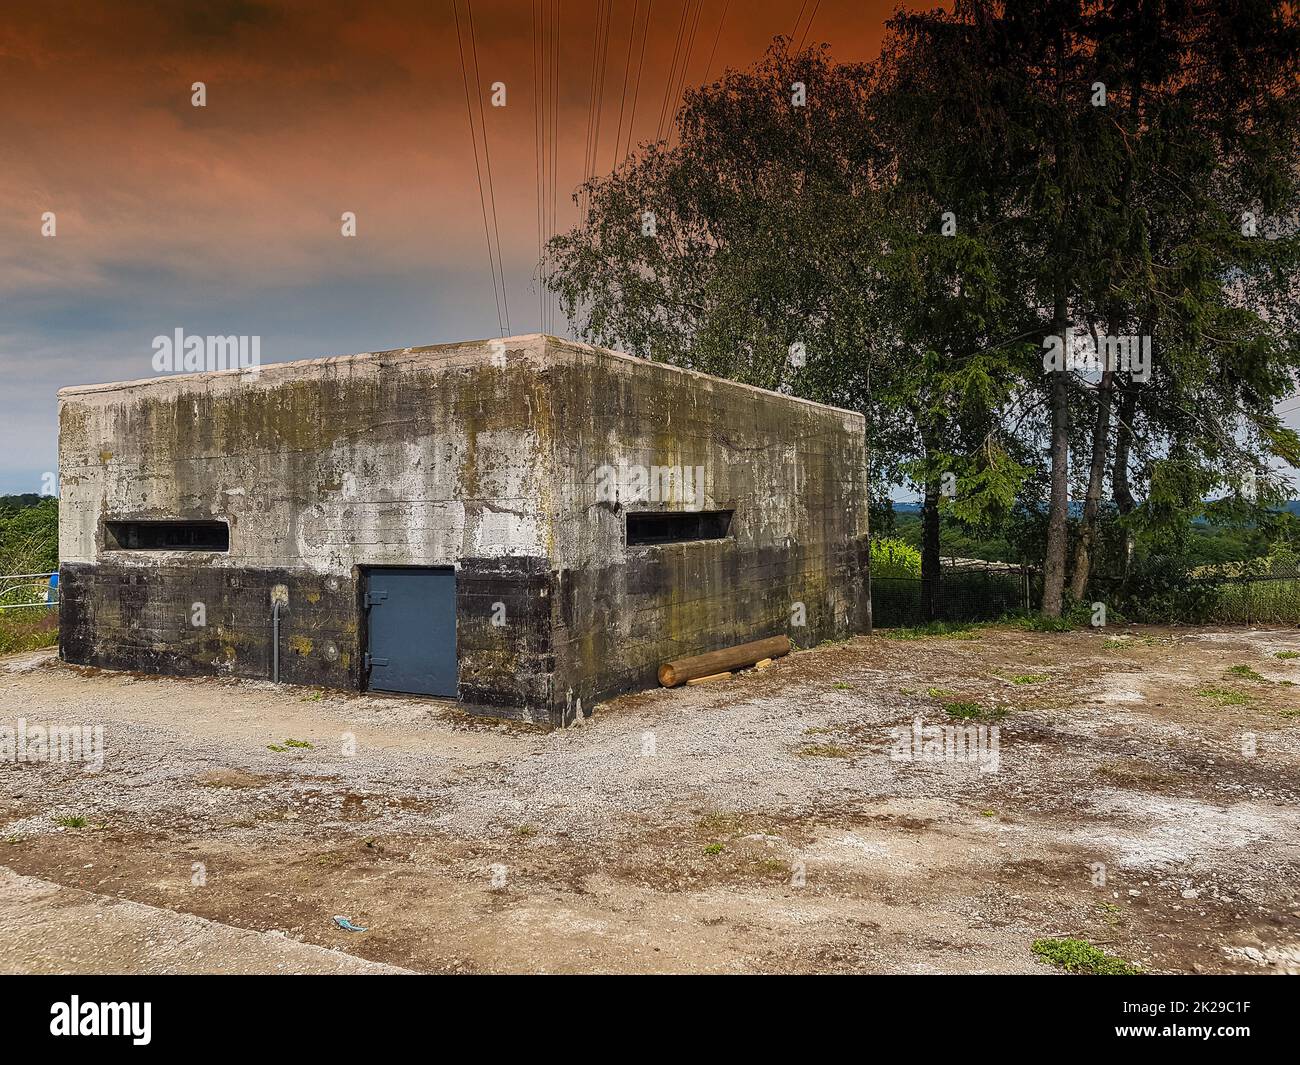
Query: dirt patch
{"x": 231, "y": 778}
{"x": 831, "y": 813}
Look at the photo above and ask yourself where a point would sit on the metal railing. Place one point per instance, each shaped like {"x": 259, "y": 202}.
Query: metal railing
{"x": 33, "y": 590}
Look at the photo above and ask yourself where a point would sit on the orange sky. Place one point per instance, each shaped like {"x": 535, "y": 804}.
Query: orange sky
{"x": 226, "y": 218}
{"x": 315, "y": 108}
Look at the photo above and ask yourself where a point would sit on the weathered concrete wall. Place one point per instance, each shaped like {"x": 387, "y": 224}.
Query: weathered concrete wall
{"x": 426, "y": 456}
{"x": 793, "y": 472}
{"x": 484, "y": 456}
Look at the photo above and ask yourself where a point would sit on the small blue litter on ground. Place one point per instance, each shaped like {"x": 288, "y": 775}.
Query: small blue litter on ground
{"x": 347, "y": 925}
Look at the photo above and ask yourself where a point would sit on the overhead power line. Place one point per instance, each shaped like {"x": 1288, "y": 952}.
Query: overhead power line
{"x": 556, "y": 43}
{"x": 636, "y": 92}
{"x": 604, "y": 71}
{"x": 798, "y": 19}
{"x": 599, "y": 64}
{"x": 539, "y": 113}
{"x": 708, "y": 69}
{"x": 627, "y": 70}
{"x": 497, "y": 295}
{"x": 546, "y": 78}
{"x": 808, "y": 26}
{"x": 487, "y": 158}
{"x": 672, "y": 69}
{"x": 681, "y": 76}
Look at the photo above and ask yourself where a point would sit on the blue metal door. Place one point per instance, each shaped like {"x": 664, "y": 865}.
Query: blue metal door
{"x": 411, "y": 616}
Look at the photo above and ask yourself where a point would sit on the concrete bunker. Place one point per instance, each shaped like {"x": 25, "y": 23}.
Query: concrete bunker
{"x": 529, "y": 525}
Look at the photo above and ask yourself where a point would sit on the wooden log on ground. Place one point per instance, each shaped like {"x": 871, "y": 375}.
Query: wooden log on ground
{"x": 729, "y": 659}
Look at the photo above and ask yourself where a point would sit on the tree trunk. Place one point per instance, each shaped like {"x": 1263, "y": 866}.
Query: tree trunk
{"x": 930, "y": 563}
{"x": 1059, "y": 501}
{"x": 866, "y": 443}
{"x": 1058, "y": 385}
{"x": 1105, "y": 391}
{"x": 1120, "y": 490}
{"x": 1092, "y": 500}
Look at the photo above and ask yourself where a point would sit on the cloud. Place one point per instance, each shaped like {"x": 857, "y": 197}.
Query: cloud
{"x": 226, "y": 218}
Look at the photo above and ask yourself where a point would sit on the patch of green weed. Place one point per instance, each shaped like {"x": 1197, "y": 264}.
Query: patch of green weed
{"x": 824, "y": 750}
{"x": 288, "y": 745}
{"x": 973, "y": 712}
{"x": 1224, "y": 696}
{"x": 1080, "y": 956}
{"x": 949, "y": 630}
{"x": 1040, "y": 623}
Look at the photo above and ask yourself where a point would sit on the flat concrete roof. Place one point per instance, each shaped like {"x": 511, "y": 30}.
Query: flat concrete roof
{"x": 277, "y": 368}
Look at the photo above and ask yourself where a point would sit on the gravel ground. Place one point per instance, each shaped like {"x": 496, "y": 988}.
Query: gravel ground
{"x": 1142, "y": 795}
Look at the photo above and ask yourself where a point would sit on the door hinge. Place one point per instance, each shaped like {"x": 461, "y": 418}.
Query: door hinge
{"x": 375, "y": 597}
{"x": 369, "y": 661}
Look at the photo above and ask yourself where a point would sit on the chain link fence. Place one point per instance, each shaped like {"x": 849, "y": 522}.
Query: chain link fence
{"x": 1263, "y": 591}
{"x": 969, "y": 590}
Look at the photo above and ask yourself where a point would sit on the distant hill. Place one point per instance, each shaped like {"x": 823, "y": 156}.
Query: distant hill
{"x": 1291, "y": 506}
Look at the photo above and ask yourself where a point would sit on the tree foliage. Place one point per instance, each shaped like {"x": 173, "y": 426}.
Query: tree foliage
{"x": 906, "y": 241}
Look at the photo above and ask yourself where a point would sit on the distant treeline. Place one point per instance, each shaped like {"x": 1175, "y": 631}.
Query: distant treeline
{"x": 1203, "y": 543}
{"x": 11, "y": 503}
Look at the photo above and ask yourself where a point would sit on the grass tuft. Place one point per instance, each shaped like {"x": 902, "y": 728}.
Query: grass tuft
{"x": 1080, "y": 956}
{"x": 1041, "y": 623}
{"x": 824, "y": 750}
{"x": 973, "y": 712}
{"x": 28, "y": 629}
{"x": 948, "y": 630}
{"x": 289, "y": 744}
{"x": 1224, "y": 696}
